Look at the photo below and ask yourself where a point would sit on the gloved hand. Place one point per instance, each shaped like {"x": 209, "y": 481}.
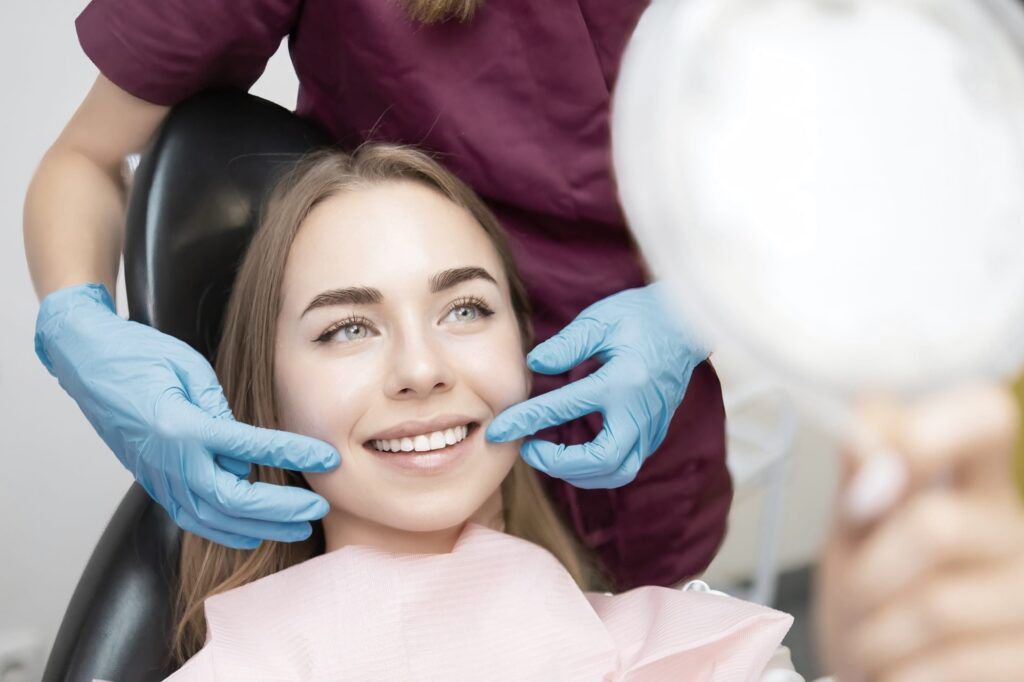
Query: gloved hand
{"x": 158, "y": 405}
{"x": 648, "y": 359}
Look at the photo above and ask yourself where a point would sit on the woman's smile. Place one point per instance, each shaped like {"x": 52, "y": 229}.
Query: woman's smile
{"x": 422, "y": 434}
{"x": 432, "y": 460}
{"x": 429, "y": 446}
{"x": 424, "y": 442}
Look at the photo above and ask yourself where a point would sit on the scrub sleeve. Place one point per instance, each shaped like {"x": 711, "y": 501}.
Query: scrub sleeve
{"x": 516, "y": 103}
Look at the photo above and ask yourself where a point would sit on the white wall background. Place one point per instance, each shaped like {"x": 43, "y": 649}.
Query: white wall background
{"x": 58, "y": 482}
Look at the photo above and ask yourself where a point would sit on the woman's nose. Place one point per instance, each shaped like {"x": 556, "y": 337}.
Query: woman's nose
{"x": 418, "y": 370}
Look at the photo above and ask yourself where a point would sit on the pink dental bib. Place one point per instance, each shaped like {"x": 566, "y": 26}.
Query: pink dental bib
{"x": 496, "y": 608}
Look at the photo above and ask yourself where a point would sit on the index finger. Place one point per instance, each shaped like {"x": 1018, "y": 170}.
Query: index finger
{"x": 561, "y": 405}
{"x": 269, "y": 447}
{"x": 263, "y": 501}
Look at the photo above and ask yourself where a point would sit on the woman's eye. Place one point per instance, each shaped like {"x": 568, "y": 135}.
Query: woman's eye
{"x": 346, "y": 332}
{"x": 354, "y": 332}
{"x": 469, "y": 311}
{"x": 465, "y": 313}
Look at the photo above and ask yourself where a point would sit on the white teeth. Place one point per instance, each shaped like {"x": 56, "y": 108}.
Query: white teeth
{"x": 424, "y": 442}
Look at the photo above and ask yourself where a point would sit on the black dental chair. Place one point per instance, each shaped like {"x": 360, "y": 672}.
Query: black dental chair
{"x": 193, "y": 205}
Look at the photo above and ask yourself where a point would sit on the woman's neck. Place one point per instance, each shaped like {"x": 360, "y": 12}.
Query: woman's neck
{"x": 341, "y": 529}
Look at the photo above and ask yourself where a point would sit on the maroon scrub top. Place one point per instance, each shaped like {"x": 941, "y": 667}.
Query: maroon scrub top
{"x": 516, "y": 102}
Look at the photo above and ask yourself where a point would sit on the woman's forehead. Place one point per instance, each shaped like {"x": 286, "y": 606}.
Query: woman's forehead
{"x": 392, "y": 236}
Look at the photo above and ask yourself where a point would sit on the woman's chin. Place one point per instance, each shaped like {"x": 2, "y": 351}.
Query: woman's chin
{"x": 431, "y": 520}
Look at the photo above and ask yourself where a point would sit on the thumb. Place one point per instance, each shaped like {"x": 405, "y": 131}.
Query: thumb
{"x": 579, "y": 340}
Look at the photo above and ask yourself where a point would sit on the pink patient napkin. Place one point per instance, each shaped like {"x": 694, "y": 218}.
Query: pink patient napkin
{"x": 496, "y": 608}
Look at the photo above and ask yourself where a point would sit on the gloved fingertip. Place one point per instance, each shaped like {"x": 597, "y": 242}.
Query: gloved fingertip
{"x": 531, "y": 457}
{"x": 302, "y": 533}
{"x": 329, "y": 458}
{"x": 496, "y": 432}
{"x": 506, "y": 431}
{"x": 544, "y": 362}
{"x": 319, "y": 509}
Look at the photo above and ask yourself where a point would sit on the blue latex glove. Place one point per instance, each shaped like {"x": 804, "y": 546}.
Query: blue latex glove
{"x": 158, "y": 405}
{"x": 648, "y": 359}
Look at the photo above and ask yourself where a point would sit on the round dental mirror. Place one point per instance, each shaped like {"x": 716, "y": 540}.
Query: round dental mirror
{"x": 836, "y": 186}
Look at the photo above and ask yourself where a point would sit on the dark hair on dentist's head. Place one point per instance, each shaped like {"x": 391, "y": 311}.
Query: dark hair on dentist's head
{"x": 245, "y": 363}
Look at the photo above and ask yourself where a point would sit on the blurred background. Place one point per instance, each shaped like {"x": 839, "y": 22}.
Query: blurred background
{"x": 60, "y": 484}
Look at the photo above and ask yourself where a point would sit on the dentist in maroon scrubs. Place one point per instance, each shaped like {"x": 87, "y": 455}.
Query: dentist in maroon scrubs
{"x": 514, "y": 96}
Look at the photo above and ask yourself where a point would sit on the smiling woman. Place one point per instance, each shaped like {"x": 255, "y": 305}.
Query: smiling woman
{"x": 378, "y": 308}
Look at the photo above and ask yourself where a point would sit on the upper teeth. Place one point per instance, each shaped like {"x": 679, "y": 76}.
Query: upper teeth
{"x": 424, "y": 442}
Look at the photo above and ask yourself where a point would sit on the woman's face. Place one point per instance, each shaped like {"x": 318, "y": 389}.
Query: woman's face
{"x": 397, "y": 331}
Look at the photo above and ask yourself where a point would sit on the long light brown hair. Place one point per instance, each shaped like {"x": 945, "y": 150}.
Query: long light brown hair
{"x": 245, "y": 362}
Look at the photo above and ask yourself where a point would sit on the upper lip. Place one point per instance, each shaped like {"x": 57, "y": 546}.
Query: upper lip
{"x": 416, "y": 427}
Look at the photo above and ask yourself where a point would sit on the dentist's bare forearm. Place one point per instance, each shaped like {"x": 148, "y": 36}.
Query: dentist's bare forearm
{"x": 75, "y": 205}
{"x": 73, "y": 222}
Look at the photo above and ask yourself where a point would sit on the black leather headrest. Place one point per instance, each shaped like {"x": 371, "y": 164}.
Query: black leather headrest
{"x": 195, "y": 202}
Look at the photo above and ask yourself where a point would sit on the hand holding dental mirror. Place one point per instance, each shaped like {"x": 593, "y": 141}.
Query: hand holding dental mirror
{"x": 934, "y": 590}
{"x": 834, "y": 187}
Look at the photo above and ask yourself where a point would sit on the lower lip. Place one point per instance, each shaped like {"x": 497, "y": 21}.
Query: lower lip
{"x": 432, "y": 462}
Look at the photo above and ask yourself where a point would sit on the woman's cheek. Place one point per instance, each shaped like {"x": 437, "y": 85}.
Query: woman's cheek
{"x": 312, "y": 404}
{"x": 497, "y": 372}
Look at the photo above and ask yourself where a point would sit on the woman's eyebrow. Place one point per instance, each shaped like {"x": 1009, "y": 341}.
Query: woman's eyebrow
{"x": 446, "y": 279}
{"x": 348, "y": 295}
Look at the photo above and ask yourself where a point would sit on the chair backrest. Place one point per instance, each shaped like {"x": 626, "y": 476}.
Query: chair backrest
{"x": 193, "y": 205}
